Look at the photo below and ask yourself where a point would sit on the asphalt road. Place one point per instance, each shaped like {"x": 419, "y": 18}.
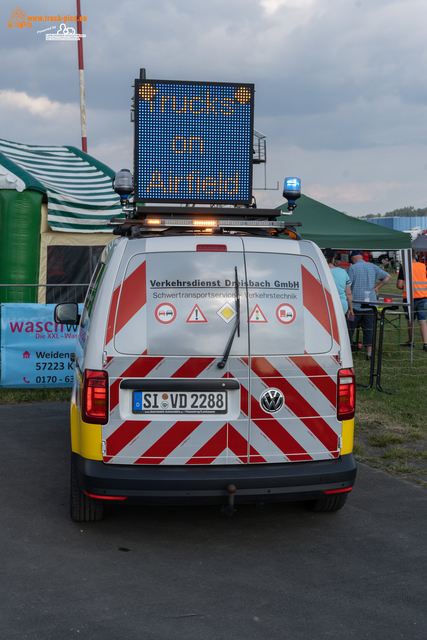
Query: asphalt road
{"x": 190, "y": 573}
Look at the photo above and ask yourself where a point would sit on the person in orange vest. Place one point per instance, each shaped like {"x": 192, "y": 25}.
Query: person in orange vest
{"x": 419, "y": 289}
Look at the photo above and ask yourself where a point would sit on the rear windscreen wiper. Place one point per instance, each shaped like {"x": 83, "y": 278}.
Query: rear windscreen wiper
{"x": 236, "y": 327}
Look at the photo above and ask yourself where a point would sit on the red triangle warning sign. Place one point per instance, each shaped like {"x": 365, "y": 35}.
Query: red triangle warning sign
{"x": 257, "y": 315}
{"x": 197, "y": 315}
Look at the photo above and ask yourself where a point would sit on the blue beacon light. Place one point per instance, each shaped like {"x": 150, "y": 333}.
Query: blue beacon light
{"x": 292, "y": 191}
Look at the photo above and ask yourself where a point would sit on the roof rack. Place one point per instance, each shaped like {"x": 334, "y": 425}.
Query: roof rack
{"x": 241, "y": 212}
{"x": 143, "y": 219}
{"x": 162, "y": 220}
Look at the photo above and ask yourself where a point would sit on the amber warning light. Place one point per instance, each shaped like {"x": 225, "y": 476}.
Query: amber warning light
{"x": 205, "y": 223}
{"x": 175, "y": 222}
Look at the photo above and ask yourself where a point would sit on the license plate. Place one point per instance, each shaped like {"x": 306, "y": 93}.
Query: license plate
{"x": 201, "y": 402}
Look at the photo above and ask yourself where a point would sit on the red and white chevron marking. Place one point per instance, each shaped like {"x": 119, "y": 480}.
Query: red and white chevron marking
{"x": 306, "y": 430}
{"x": 319, "y": 315}
{"x": 128, "y": 310}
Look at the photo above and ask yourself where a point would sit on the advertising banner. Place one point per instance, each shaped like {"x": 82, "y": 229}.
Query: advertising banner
{"x": 35, "y": 351}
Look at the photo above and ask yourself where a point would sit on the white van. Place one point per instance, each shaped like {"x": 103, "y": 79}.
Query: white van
{"x": 210, "y": 368}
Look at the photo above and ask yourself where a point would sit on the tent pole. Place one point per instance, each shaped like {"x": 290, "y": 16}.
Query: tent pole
{"x": 407, "y": 267}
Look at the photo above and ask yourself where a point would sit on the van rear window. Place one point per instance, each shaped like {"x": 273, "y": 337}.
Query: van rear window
{"x": 185, "y": 303}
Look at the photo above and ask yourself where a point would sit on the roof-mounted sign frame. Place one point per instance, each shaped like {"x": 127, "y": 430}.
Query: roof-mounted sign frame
{"x": 193, "y": 142}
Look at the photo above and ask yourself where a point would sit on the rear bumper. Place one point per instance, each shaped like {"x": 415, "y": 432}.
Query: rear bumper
{"x": 208, "y": 484}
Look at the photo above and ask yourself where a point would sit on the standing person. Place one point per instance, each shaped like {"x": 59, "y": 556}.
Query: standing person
{"x": 342, "y": 282}
{"x": 419, "y": 290}
{"x": 365, "y": 277}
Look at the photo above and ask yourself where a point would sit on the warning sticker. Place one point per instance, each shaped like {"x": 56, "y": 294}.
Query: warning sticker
{"x": 257, "y": 315}
{"x": 286, "y": 313}
{"x": 227, "y": 312}
{"x": 196, "y": 315}
{"x": 165, "y": 313}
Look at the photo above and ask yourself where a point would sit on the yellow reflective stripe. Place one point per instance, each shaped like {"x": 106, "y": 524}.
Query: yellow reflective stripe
{"x": 347, "y": 434}
{"x": 86, "y": 439}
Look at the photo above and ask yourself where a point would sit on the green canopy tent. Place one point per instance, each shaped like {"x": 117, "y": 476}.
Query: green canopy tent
{"x": 328, "y": 227}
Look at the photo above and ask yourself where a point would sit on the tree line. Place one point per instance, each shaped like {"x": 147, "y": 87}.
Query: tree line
{"x": 405, "y": 212}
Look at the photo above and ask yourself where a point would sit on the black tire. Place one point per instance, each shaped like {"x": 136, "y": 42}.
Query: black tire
{"x": 334, "y": 502}
{"x": 83, "y": 508}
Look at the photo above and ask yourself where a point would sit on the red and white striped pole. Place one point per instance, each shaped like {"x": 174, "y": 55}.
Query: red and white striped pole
{"x": 81, "y": 80}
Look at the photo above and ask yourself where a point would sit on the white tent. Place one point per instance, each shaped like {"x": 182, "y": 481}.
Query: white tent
{"x": 420, "y": 243}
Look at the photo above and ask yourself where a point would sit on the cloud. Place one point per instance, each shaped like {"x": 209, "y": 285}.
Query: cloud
{"x": 38, "y": 119}
{"x": 351, "y": 192}
{"x": 117, "y": 154}
{"x": 110, "y": 137}
{"x": 41, "y": 106}
{"x": 339, "y": 90}
{"x": 357, "y": 181}
{"x": 272, "y": 6}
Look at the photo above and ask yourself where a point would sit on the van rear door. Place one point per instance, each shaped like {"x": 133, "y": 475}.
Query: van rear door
{"x": 293, "y": 363}
{"x": 174, "y": 310}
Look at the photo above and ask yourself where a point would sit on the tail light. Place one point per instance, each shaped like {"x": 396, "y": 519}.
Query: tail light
{"x": 95, "y": 397}
{"x": 346, "y": 392}
{"x": 92, "y": 495}
{"x": 211, "y": 247}
{"x": 338, "y": 491}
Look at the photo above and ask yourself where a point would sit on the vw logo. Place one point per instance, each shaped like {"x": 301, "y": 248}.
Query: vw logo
{"x": 272, "y": 400}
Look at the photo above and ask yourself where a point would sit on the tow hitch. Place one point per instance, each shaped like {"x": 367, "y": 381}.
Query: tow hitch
{"x": 228, "y": 509}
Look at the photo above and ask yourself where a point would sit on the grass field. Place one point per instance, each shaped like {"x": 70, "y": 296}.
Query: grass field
{"x": 391, "y": 428}
{"x": 16, "y": 396}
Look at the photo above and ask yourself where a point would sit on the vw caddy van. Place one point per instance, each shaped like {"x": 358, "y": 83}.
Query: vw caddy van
{"x": 210, "y": 368}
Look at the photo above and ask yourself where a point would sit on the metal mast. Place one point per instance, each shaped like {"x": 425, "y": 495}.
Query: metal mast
{"x": 81, "y": 80}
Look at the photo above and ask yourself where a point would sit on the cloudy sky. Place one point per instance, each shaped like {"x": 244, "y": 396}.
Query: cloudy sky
{"x": 341, "y": 91}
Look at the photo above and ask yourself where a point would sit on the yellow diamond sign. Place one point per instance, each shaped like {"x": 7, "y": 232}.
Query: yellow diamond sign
{"x": 227, "y": 312}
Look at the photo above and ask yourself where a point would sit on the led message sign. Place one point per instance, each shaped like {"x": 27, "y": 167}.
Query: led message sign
{"x": 193, "y": 142}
